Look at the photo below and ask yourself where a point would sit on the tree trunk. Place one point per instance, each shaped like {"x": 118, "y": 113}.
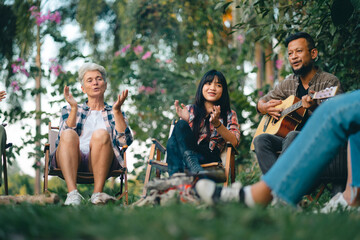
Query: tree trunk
{"x": 38, "y": 113}
{"x": 269, "y": 65}
{"x": 259, "y": 63}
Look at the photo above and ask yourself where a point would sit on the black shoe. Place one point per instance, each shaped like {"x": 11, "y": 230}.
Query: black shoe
{"x": 217, "y": 175}
{"x": 191, "y": 161}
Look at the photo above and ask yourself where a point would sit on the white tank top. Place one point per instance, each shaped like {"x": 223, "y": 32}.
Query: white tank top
{"x": 93, "y": 122}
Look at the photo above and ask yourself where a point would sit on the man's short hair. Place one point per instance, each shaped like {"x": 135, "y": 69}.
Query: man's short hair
{"x": 310, "y": 41}
{"x": 91, "y": 67}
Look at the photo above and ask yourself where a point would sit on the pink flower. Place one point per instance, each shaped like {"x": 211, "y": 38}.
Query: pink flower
{"x": 154, "y": 82}
{"x": 33, "y": 8}
{"x": 124, "y": 49}
{"x": 15, "y": 68}
{"x": 168, "y": 61}
{"x": 141, "y": 89}
{"x": 21, "y": 61}
{"x": 279, "y": 64}
{"x": 15, "y": 86}
{"x": 149, "y": 90}
{"x": 53, "y": 17}
{"x": 146, "y": 55}
{"x": 241, "y": 39}
{"x": 158, "y": 60}
{"x": 163, "y": 91}
{"x": 23, "y": 70}
{"x": 55, "y": 67}
{"x": 18, "y": 66}
{"x": 260, "y": 93}
{"x": 138, "y": 49}
{"x": 117, "y": 53}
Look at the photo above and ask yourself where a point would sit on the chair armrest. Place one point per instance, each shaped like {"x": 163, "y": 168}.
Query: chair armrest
{"x": 162, "y": 166}
{"x": 158, "y": 145}
{"x": 47, "y": 147}
{"x": 228, "y": 144}
{"x": 123, "y": 149}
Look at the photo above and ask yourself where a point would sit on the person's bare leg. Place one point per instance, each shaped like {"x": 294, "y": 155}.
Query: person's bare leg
{"x": 261, "y": 193}
{"x": 356, "y": 191}
{"x": 68, "y": 157}
{"x": 101, "y": 157}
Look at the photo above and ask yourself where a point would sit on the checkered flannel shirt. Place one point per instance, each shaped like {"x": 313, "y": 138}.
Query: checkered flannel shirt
{"x": 118, "y": 139}
{"x": 216, "y": 139}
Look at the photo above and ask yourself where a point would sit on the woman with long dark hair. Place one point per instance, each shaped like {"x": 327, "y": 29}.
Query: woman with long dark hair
{"x": 204, "y": 127}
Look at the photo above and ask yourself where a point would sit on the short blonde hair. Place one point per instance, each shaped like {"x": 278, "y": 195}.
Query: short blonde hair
{"x": 90, "y": 67}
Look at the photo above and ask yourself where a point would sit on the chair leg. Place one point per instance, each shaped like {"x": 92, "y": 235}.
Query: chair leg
{"x": 5, "y": 175}
{"x": 148, "y": 169}
{"x": 121, "y": 184}
{"x": 126, "y": 189}
{"x": 227, "y": 166}
{"x": 158, "y": 158}
{"x": 46, "y": 171}
{"x": 232, "y": 168}
{"x": 147, "y": 178}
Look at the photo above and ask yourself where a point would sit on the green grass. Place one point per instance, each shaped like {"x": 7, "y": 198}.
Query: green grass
{"x": 176, "y": 221}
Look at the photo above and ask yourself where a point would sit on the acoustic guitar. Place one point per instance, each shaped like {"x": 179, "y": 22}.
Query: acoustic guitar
{"x": 290, "y": 117}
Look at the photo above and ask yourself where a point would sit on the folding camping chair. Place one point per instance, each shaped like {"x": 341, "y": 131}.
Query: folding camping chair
{"x": 4, "y": 165}
{"x": 82, "y": 177}
{"x": 227, "y": 162}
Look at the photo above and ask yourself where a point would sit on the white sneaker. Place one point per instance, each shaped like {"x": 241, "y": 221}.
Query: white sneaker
{"x": 73, "y": 198}
{"x": 336, "y": 202}
{"x": 211, "y": 194}
{"x": 101, "y": 198}
{"x": 231, "y": 194}
{"x": 205, "y": 188}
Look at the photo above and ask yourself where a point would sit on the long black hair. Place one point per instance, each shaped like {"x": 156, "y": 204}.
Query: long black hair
{"x": 199, "y": 105}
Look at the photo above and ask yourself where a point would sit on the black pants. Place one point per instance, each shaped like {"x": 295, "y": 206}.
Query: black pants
{"x": 183, "y": 139}
{"x": 268, "y": 146}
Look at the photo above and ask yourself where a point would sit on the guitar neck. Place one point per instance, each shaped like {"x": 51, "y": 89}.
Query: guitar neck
{"x": 326, "y": 93}
{"x": 293, "y": 107}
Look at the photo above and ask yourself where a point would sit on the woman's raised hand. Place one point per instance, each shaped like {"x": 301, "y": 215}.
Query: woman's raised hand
{"x": 121, "y": 99}
{"x": 69, "y": 97}
{"x": 215, "y": 115}
{"x": 2, "y": 95}
{"x": 182, "y": 111}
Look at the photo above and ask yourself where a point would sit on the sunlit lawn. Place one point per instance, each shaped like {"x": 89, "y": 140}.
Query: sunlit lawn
{"x": 176, "y": 221}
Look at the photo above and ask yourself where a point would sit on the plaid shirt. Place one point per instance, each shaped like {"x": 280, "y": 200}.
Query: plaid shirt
{"x": 118, "y": 139}
{"x": 289, "y": 86}
{"x": 216, "y": 139}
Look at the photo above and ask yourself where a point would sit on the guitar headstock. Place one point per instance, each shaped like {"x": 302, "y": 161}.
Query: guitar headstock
{"x": 326, "y": 93}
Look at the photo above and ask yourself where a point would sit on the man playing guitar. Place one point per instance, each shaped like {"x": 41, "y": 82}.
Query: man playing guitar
{"x": 307, "y": 78}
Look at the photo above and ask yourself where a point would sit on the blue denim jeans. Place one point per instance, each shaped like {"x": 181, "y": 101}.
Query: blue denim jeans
{"x": 354, "y": 142}
{"x": 328, "y": 128}
{"x": 182, "y": 139}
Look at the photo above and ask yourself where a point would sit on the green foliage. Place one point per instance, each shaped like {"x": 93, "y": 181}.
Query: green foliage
{"x": 177, "y": 221}
{"x": 186, "y": 39}
{"x": 334, "y": 25}
{"x": 19, "y": 184}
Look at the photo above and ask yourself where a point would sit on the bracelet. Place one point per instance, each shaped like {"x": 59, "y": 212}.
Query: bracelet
{"x": 218, "y": 126}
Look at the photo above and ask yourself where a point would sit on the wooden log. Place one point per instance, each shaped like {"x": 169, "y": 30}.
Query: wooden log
{"x": 35, "y": 199}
